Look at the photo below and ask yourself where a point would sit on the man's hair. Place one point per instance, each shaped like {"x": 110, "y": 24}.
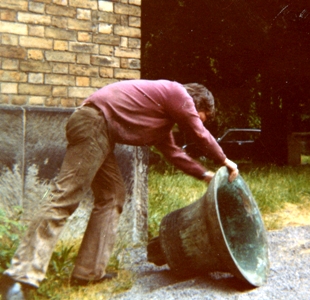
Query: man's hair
{"x": 203, "y": 98}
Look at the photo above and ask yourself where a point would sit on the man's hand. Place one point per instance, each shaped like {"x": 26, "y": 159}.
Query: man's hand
{"x": 207, "y": 176}
{"x": 232, "y": 169}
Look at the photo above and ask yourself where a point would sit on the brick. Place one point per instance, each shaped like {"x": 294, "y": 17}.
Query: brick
{"x": 35, "y": 54}
{"x": 61, "y": 45}
{"x": 35, "y": 66}
{"x": 68, "y": 102}
{"x": 124, "y": 42}
{"x": 10, "y": 39}
{"x": 34, "y": 89}
{"x": 60, "y": 34}
{"x": 15, "y": 28}
{"x": 81, "y": 92}
{"x": 82, "y": 81}
{"x": 124, "y": 20}
{"x": 36, "y": 100}
{"x": 60, "y": 22}
{"x": 106, "y": 50}
{"x": 35, "y": 77}
{"x": 130, "y": 63}
{"x": 106, "y": 72}
{"x": 84, "y": 4}
{"x": 107, "y": 39}
{"x": 80, "y": 25}
{"x": 36, "y": 7}
{"x": 60, "y": 68}
{"x": 35, "y": 42}
{"x": 135, "y": 22}
{"x": 56, "y": 79}
{"x": 101, "y": 82}
{"x": 83, "y": 14}
{"x": 10, "y": 64}
{"x": 19, "y": 100}
{"x": 36, "y": 31}
{"x": 135, "y": 2}
{"x": 52, "y": 101}
{"x": 106, "y": 61}
{"x": 83, "y": 70}
{"x": 127, "y": 9}
{"x": 109, "y": 18}
{"x": 43, "y": 1}
{"x": 61, "y": 2}
{"x": 126, "y": 74}
{"x": 9, "y": 88}
{"x": 12, "y": 52}
{"x": 105, "y": 28}
{"x": 8, "y": 15}
{"x": 127, "y": 31}
{"x": 18, "y": 5}
{"x": 5, "y": 99}
{"x": 60, "y": 56}
{"x": 60, "y": 91}
{"x": 134, "y": 43}
{"x": 30, "y": 18}
{"x": 127, "y": 52}
{"x": 84, "y": 37}
{"x": 83, "y": 59}
{"x": 106, "y": 6}
{"x": 79, "y": 102}
{"x": 57, "y": 10}
{"x": 14, "y": 76}
{"x": 83, "y": 47}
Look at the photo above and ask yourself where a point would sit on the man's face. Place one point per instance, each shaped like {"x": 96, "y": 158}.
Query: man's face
{"x": 204, "y": 116}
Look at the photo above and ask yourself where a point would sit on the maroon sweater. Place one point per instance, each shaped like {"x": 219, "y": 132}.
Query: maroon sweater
{"x": 143, "y": 112}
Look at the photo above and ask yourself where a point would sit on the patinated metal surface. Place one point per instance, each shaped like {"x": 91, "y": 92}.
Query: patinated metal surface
{"x": 222, "y": 231}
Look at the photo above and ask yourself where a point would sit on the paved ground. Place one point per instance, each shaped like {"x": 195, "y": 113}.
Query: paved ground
{"x": 289, "y": 277}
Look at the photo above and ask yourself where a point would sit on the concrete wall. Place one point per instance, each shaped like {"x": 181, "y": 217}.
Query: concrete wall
{"x": 32, "y": 147}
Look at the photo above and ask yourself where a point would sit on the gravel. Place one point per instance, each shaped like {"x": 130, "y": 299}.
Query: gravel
{"x": 289, "y": 276}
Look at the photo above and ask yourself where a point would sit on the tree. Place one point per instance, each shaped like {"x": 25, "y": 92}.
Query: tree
{"x": 252, "y": 55}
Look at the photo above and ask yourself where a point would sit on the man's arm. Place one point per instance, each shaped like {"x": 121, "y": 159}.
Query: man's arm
{"x": 180, "y": 159}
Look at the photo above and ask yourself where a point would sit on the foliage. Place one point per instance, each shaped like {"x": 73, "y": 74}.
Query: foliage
{"x": 10, "y": 231}
{"x": 167, "y": 193}
{"x": 271, "y": 186}
{"x": 59, "y": 270}
{"x": 252, "y": 55}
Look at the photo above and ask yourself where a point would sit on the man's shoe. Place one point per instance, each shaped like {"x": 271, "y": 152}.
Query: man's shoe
{"x": 74, "y": 281}
{"x": 13, "y": 290}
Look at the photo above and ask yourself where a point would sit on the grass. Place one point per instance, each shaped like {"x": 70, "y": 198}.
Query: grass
{"x": 272, "y": 187}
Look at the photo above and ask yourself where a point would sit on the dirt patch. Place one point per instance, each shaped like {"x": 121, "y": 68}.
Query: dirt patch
{"x": 290, "y": 215}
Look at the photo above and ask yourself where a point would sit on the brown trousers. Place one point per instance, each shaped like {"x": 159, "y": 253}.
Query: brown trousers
{"x": 89, "y": 163}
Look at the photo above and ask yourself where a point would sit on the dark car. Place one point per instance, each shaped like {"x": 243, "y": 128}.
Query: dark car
{"x": 241, "y": 143}
{"x": 237, "y": 144}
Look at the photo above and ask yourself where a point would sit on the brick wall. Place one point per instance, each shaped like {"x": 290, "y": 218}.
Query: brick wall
{"x": 54, "y": 53}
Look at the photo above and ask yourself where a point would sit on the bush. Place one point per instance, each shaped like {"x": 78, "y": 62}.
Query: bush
{"x": 10, "y": 231}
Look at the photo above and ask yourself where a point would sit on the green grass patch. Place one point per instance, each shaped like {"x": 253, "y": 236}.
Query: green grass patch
{"x": 271, "y": 186}
{"x": 305, "y": 159}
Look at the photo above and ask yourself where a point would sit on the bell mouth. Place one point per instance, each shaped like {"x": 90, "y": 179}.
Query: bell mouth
{"x": 242, "y": 228}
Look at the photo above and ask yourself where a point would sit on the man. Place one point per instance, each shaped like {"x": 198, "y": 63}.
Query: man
{"x": 135, "y": 112}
